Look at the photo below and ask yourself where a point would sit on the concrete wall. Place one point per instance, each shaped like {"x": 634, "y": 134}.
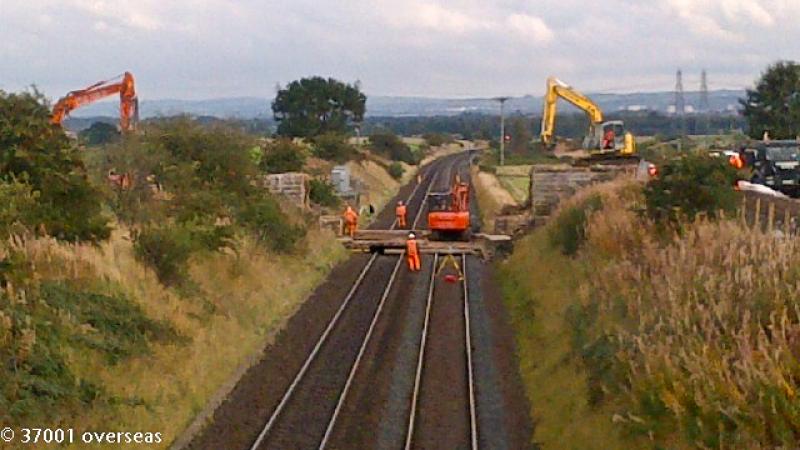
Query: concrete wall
{"x": 552, "y": 182}
{"x": 293, "y": 186}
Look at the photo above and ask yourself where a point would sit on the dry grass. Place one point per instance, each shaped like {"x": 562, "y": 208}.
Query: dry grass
{"x": 251, "y": 296}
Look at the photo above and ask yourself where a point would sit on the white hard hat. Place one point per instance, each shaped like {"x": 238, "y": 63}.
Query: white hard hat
{"x": 411, "y": 235}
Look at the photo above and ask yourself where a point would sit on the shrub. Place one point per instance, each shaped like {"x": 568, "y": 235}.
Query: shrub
{"x": 119, "y": 326}
{"x": 396, "y": 170}
{"x": 690, "y": 186}
{"x": 568, "y": 232}
{"x": 99, "y": 133}
{"x": 166, "y": 249}
{"x": 323, "y": 193}
{"x": 389, "y": 145}
{"x": 264, "y": 217}
{"x": 437, "y": 139}
{"x": 333, "y": 147}
{"x": 41, "y": 155}
{"x": 282, "y": 156}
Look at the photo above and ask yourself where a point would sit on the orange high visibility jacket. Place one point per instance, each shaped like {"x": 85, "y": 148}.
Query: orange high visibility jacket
{"x": 400, "y": 210}
{"x": 350, "y": 216}
{"x": 411, "y": 247}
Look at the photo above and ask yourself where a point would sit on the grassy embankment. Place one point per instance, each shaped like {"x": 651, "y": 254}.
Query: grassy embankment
{"x": 629, "y": 338}
{"x": 107, "y": 346}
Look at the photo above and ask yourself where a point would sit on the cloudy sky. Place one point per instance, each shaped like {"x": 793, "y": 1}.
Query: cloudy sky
{"x": 193, "y": 49}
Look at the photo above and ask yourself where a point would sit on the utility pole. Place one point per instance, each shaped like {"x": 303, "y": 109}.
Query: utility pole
{"x": 680, "y": 103}
{"x": 502, "y": 101}
{"x": 705, "y": 107}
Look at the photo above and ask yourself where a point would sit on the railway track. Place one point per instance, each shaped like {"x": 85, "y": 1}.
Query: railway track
{"x": 303, "y": 417}
{"x": 437, "y": 384}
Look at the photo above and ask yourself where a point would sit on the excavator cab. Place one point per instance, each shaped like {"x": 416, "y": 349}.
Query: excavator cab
{"x": 448, "y": 213}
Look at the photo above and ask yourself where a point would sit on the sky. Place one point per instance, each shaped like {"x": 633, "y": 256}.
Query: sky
{"x": 199, "y": 49}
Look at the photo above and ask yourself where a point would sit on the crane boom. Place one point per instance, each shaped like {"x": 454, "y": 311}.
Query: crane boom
{"x": 128, "y": 106}
{"x": 558, "y": 89}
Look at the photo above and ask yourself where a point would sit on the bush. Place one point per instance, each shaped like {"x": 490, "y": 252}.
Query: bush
{"x": 323, "y": 193}
{"x": 165, "y": 249}
{"x": 389, "y": 145}
{"x": 568, "y": 232}
{"x": 282, "y": 156}
{"x": 437, "y": 139}
{"x": 99, "y": 133}
{"x": 263, "y": 217}
{"x": 39, "y": 154}
{"x": 396, "y": 170}
{"x": 333, "y": 147}
{"x": 689, "y": 186}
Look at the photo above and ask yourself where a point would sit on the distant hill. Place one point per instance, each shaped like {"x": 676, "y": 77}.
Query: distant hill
{"x": 254, "y": 107}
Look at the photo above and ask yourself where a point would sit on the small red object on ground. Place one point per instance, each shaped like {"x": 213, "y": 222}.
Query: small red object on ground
{"x": 450, "y": 278}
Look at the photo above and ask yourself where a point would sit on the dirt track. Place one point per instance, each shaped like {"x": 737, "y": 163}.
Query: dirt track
{"x": 375, "y": 412}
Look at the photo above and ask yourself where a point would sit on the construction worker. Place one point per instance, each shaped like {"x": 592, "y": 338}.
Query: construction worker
{"x": 350, "y": 221}
{"x": 608, "y": 139}
{"x": 412, "y": 253}
{"x": 400, "y": 212}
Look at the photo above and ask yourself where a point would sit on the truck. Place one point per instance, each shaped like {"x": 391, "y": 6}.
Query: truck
{"x": 775, "y": 164}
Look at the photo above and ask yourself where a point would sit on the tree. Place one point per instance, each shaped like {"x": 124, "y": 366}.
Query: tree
{"x": 774, "y": 105}
{"x": 39, "y": 154}
{"x": 312, "y": 106}
{"x": 99, "y": 133}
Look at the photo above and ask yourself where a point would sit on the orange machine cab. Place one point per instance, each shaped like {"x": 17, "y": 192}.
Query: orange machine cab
{"x": 448, "y": 215}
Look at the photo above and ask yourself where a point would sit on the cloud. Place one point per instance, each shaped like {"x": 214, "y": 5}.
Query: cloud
{"x": 531, "y": 28}
{"x": 215, "y": 48}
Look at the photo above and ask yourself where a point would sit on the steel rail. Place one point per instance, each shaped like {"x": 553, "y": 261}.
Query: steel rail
{"x": 334, "y": 320}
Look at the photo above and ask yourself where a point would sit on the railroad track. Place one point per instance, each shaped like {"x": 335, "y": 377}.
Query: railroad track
{"x": 315, "y": 384}
{"x": 432, "y": 433}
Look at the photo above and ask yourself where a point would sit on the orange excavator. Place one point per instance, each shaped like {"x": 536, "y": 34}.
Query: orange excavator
{"x": 448, "y": 216}
{"x": 128, "y": 102}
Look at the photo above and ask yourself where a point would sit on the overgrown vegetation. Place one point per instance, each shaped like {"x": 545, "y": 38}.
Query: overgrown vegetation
{"x": 568, "y": 231}
{"x": 396, "y": 170}
{"x": 392, "y": 147}
{"x": 644, "y": 342}
{"x": 323, "y": 193}
{"x": 40, "y": 155}
{"x": 333, "y": 147}
{"x": 283, "y": 155}
{"x": 774, "y": 105}
{"x": 689, "y": 186}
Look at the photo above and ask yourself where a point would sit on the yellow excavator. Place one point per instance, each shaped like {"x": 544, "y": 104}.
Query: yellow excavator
{"x": 604, "y": 138}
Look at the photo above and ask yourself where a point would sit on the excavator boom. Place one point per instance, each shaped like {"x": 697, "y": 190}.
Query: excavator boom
{"x": 128, "y": 107}
{"x": 603, "y": 137}
{"x": 558, "y": 89}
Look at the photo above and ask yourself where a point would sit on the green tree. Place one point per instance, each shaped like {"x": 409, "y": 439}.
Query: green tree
{"x": 41, "y": 155}
{"x": 99, "y": 133}
{"x": 774, "y": 105}
{"x": 312, "y": 106}
{"x": 283, "y": 155}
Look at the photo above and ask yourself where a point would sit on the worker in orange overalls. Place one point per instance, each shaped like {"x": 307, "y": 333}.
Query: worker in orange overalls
{"x": 350, "y": 221}
{"x": 400, "y": 212}
{"x": 412, "y": 253}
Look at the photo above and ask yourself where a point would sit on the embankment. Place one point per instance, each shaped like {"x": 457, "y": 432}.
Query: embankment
{"x": 633, "y": 337}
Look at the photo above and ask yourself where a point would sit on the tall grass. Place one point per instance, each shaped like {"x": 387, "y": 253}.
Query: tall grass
{"x": 238, "y": 304}
{"x": 695, "y": 340}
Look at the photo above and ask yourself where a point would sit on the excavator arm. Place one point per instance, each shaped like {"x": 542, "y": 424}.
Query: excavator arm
{"x": 558, "y": 89}
{"x": 128, "y": 107}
